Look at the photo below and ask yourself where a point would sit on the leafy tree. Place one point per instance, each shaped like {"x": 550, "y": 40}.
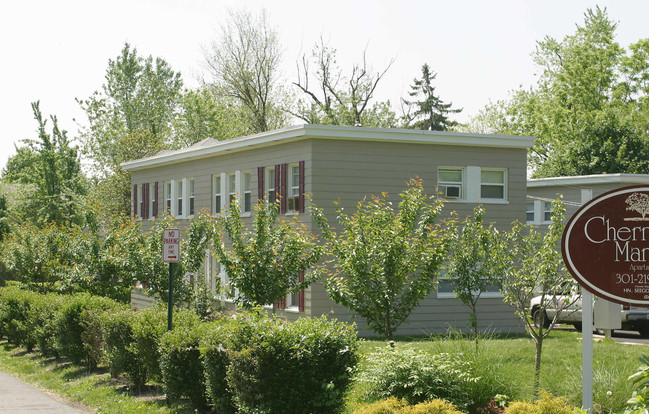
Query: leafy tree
{"x": 385, "y": 260}
{"x": 264, "y": 263}
{"x": 330, "y": 103}
{"x": 245, "y": 65}
{"x": 478, "y": 260}
{"x": 537, "y": 264}
{"x": 208, "y": 113}
{"x": 49, "y": 169}
{"x": 429, "y": 113}
{"x": 588, "y": 108}
{"x": 4, "y": 222}
{"x": 139, "y": 96}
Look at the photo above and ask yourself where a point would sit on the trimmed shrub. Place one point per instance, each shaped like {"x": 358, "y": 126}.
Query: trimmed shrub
{"x": 418, "y": 376}
{"x": 117, "y": 332}
{"x": 46, "y": 309}
{"x": 180, "y": 359}
{"x": 304, "y": 366}
{"x": 546, "y": 404}
{"x": 395, "y": 406}
{"x": 78, "y": 327}
{"x": 18, "y": 317}
{"x": 221, "y": 339}
{"x": 148, "y": 327}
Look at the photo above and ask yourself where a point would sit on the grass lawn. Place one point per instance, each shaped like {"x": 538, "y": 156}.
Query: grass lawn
{"x": 510, "y": 359}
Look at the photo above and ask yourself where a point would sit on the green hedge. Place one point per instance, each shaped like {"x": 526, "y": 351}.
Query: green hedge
{"x": 180, "y": 359}
{"x": 395, "y": 406}
{"x": 78, "y": 327}
{"x": 305, "y": 366}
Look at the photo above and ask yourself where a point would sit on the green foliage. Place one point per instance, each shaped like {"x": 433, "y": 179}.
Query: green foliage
{"x": 245, "y": 64}
{"x": 117, "y": 333}
{"x": 477, "y": 260}
{"x": 305, "y": 366}
{"x": 418, "y": 376}
{"x": 38, "y": 256}
{"x": 588, "y": 109}
{"x": 222, "y": 340}
{"x": 639, "y": 401}
{"x": 49, "y": 169}
{"x": 136, "y": 106}
{"x": 546, "y": 404}
{"x": 76, "y": 327}
{"x": 393, "y": 405}
{"x": 147, "y": 329}
{"x": 180, "y": 362}
{"x": 265, "y": 262}
{"x": 385, "y": 261}
{"x": 430, "y": 113}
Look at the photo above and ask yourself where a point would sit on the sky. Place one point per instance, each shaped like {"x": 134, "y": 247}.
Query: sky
{"x": 58, "y": 51}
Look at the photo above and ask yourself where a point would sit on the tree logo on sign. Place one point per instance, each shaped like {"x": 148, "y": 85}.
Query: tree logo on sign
{"x": 638, "y": 202}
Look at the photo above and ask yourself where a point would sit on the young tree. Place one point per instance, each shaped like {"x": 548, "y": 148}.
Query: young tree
{"x": 268, "y": 261}
{"x": 245, "y": 64}
{"x": 538, "y": 267}
{"x": 478, "y": 259}
{"x": 331, "y": 103}
{"x": 429, "y": 113}
{"x": 386, "y": 260}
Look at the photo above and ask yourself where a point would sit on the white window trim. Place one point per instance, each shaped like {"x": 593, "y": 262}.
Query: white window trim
{"x": 187, "y": 189}
{"x": 241, "y": 180}
{"x": 451, "y": 295}
{"x": 463, "y": 183}
{"x": 269, "y": 183}
{"x": 153, "y": 196}
{"x": 217, "y": 190}
{"x": 139, "y": 190}
{"x": 504, "y": 185}
{"x": 539, "y": 213}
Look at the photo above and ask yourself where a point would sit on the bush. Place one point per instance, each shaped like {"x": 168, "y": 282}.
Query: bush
{"x": 78, "y": 327}
{"x": 180, "y": 360}
{"x": 395, "y": 406}
{"x": 305, "y": 366}
{"x": 148, "y": 327}
{"x": 222, "y": 339}
{"x": 17, "y": 317}
{"x": 117, "y": 332}
{"x": 418, "y": 376}
{"x": 46, "y": 308}
{"x": 546, "y": 404}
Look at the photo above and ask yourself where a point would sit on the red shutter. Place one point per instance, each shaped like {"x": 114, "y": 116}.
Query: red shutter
{"x": 155, "y": 200}
{"x": 260, "y": 183}
{"x": 282, "y": 186}
{"x": 134, "y": 200}
{"x": 145, "y": 201}
{"x": 300, "y": 298}
{"x": 301, "y": 167}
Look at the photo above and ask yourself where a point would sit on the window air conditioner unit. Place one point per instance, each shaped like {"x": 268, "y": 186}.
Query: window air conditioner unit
{"x": 451, "y": 191}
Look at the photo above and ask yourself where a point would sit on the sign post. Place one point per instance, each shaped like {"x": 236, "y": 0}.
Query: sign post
{"x": 171, "y": 255}
{"x": 604, "y": 248}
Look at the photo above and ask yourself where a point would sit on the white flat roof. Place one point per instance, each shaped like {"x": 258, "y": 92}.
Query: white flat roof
{"x": 208, "y": 148}
{"x": 589, "y": 179}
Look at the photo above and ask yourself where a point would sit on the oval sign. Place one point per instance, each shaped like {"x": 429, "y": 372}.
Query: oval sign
{"x": 605, "y": 245}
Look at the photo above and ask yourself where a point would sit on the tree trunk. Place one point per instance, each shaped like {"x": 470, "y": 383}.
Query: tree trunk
{"x": 537, "y": 366}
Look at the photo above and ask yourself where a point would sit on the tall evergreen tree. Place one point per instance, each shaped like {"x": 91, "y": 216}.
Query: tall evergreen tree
{"x": 427, "y": 111}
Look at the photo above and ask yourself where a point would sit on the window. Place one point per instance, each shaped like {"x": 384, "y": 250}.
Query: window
{"x": 179, "y": 198}
{"x": 153, "y": 204}
{"x": 547, "y": 211}
{"x": 445, "y": 289}
{"x": 216, "y": 191}
{"x": 247, "y": 195}
{"x": 168, "y": 188}
{"x": 232, "y": 188}
{"x": 449, "y": 182}
{"x": 190, "y": 184}
{"x": 271, "y": 191}
{"x": 530, "y": 212}
{"x": 492, "y": 184}
{"x": 293, "y": 196}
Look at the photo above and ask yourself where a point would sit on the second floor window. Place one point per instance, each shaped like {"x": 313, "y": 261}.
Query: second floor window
{"x": 179, "y": 198}
{"x": 216, "y": 191}
{"x": 190, "y": 184}
{"x": 168, "y": 196}
{"x": 247, "y": 194}
{"x": 293, "y": 196}
{"x": 449, "y": 182}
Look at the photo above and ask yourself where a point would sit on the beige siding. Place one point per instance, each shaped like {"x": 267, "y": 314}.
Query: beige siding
{"x": 347, "y": 171}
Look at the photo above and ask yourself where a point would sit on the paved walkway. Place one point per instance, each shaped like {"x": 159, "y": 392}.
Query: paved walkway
{"x": 16, "y": 397}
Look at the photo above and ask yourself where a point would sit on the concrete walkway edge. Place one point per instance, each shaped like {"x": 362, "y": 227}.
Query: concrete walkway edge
{"x": 17, "y": 397}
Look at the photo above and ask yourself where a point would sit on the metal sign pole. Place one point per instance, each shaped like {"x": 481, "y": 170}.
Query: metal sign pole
{"x": 586, "y": 350}
{"x": 170, "y": 305}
